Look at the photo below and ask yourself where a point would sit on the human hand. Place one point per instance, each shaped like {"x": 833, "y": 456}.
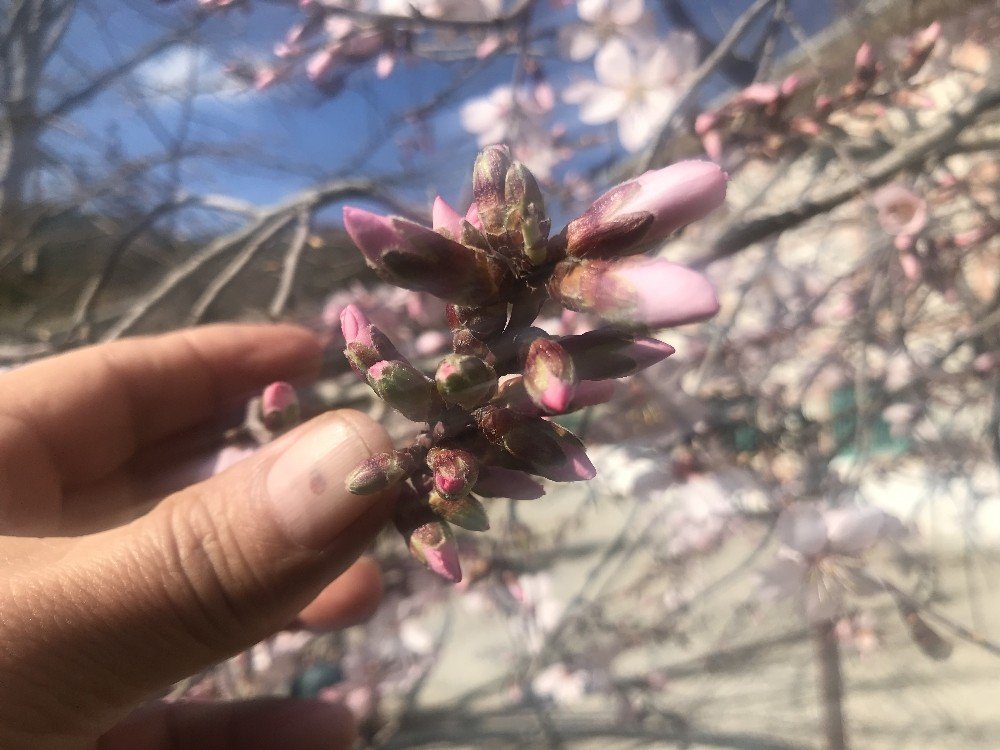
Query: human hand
{"x": 107, "y": 597}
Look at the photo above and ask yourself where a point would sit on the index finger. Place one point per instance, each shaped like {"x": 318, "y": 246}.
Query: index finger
{"x": 91, "y": 409}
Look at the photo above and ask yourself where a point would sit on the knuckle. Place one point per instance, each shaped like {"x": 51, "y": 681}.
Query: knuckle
{"x": 208, "y": 579}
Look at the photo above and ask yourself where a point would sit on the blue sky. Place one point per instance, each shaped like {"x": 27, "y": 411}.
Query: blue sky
{"x": 288, "y": 137}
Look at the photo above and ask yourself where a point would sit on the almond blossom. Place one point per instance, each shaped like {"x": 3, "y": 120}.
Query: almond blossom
{"x": 820, "y": 560}
{"x": 603, "y": 20}
{"x": 635, "y": 88}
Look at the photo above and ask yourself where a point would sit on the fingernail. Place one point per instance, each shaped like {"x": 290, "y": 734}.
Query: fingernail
{"x": 305, "y": 485}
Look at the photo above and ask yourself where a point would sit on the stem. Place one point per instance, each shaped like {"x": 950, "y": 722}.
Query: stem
{"x": 831, "y": 685}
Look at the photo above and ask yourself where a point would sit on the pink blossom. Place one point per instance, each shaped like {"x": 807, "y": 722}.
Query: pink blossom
{"x": 819, "y": 561}
{"x": 900, "y": 211}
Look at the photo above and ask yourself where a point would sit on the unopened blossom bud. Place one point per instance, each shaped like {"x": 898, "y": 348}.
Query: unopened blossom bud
{"x": 383, "y": 470}
{"x": 549, "y": 450}
{"x": 404, "y": 388}
{"x": 465, "y": 380}
{"x": 428, "y": 537}
{"x": 485, "y": 322}
{"x": 525, "y": 213}
{"x": 650, "y": 291}
{"x": 445, "y": 219}
{"x": 866, "y": 69}
{"x": 495, "y": 481}
{"x": 647, "y": 209}
{"x": 790, "y": 85}
{"x": 512, "y": 394}
{"x": 410, "y": 256}
{"x": 472, "y": 216}
{"x": 549, "y": 376}
{"x": 920, "y": 49}
{"x": 488, "y": 178}
{"x": 366, "y": 344}
{"x": 706, "y": 122}
{"x": 321, "y": 63}
{"x": 823, "y": 107}
{"x": 455, "y": 471}
{"x": 279, "y": 407}
{"x": 610, "y": 353}
{"x": 466, "y": 512}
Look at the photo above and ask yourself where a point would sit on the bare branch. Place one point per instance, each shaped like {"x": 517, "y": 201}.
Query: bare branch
{"x": 912, "y": 152}
{"x": 289, "y": 266}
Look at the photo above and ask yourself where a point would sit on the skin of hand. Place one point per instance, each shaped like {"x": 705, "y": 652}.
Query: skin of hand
{"x": 109, "y": 595}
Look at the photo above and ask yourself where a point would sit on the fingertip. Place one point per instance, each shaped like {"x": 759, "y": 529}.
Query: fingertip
{"x": 349, "y": 600}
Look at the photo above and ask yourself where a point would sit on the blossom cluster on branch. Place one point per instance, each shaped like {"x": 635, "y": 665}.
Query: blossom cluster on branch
{"x": 488, "y": 409}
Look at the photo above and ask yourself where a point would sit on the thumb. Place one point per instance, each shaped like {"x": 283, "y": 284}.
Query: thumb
{"x": 208, "y": 572}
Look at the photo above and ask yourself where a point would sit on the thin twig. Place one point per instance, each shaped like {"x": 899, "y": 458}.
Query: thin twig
{"x": 911, "y": 152}
{"x": 708, "y": 66}
{"x": 288, "y": 268}
{"x": 233, "y": 269}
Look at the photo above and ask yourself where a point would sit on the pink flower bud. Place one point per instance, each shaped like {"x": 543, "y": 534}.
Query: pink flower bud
{"x": 404, "y": 388}
{"x": 549, "y": 376}
{"x": 607, "y": 353}
{"x": 920, "y": 49}
{"x": 455, "y": 471}
{"x": 383, "y": 470}
{"x": 790, "y": 85}
{"x": 366, "y": 344}
{"x": 465, "y": 380}
{"x": 355, "y": 326}
{"x": 759, "y": 93}
{"x": 472, "y": 216}
{"x": 549, "y": 450}
{"x": 321, "y": 63}
{"x": 673, "y": 196}
{"x": 410, "y": 256}
{"x": 445, "y": 219}
{"x": 279, "y": 407}
{"x": 512, "y": 394}
{"x": 650, "y": 291}
{"x": 488, "y": 177}
{"x": 864, "y": 61}
{"x": 705, "y": 122}
{"x": 428, "y": 538}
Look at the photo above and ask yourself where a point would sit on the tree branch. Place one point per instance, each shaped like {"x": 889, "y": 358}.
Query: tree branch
{"x": 912, "y": 152}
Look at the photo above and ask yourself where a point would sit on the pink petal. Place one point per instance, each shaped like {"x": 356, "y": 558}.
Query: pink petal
{"x": 355, "y": 326}
{"x": 665, "y": 293}
{"x": 445, "y": 217}
{"x": 372, "y": 233}
{"x": 677, "y": 195}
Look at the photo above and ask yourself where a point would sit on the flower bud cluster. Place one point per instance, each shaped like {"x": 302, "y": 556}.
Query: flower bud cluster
{"x": 488, "y": 409}
{"x": 764, "y": 116}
